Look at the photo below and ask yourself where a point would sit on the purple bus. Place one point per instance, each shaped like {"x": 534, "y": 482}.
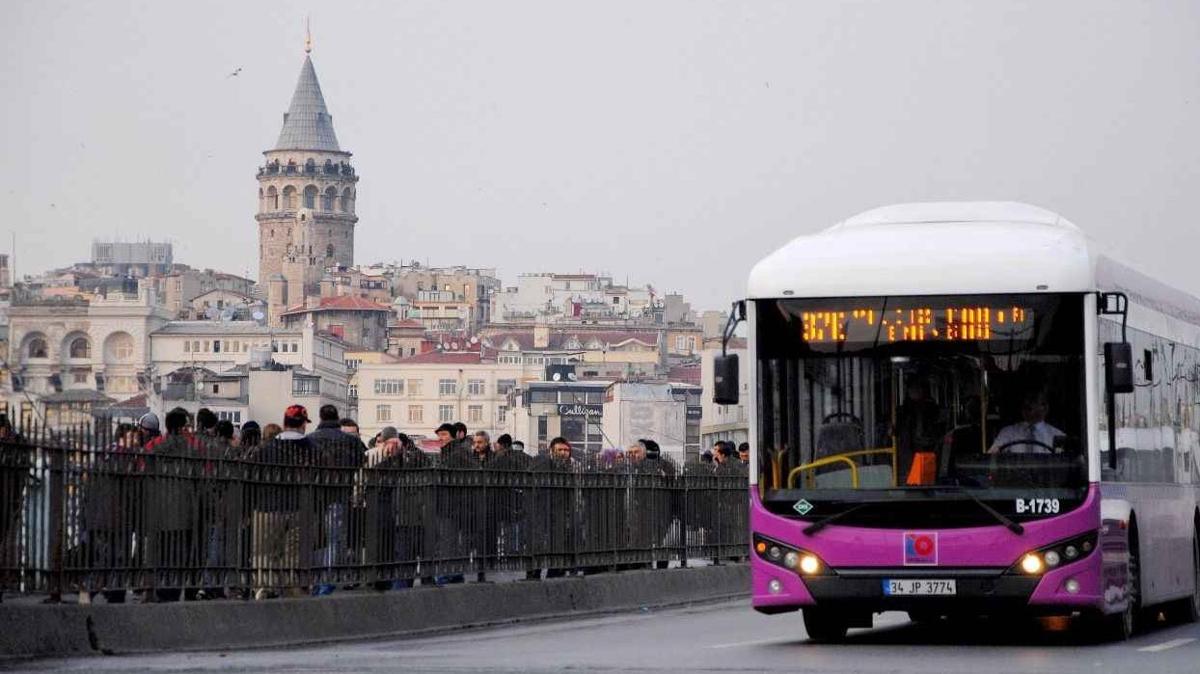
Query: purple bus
{"x": 935, "y": 395}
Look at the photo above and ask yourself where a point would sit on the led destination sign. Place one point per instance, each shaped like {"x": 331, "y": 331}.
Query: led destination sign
{"x": 976, "y": 323}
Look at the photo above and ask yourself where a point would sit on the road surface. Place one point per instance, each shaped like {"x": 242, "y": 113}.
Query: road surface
{"x": 711, "y": 638}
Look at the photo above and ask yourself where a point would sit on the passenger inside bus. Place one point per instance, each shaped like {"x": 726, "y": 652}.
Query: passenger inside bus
{"x": 965, "y": 440}
{"x": 919, "y": 432}
{"x": 1031, "y": 435}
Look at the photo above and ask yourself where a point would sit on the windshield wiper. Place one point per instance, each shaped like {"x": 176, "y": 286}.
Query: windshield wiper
{"x": 1000, "y": 517}
{"x": 826, "y": 521}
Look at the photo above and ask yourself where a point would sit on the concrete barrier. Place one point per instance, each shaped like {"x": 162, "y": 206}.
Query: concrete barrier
{"x": 57, "y": 630}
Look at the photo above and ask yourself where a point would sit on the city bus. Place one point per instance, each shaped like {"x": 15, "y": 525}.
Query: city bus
{"x": 936, "y": 391}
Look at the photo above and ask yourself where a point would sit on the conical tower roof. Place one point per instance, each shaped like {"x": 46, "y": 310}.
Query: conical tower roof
{"x": 307, "y": 125}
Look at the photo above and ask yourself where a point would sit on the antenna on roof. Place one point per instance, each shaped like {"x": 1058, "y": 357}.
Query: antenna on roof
{"x": 307, "y": 36}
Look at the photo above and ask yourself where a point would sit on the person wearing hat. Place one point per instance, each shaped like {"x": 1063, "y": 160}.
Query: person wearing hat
{"x": 148, "y": 428}
{"x": 275, "y": 510}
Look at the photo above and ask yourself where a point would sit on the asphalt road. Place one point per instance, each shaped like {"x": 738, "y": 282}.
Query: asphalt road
{"x": 718, "y": 637}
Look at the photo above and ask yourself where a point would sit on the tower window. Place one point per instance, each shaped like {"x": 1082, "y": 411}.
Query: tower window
{"x": 310, "y": 197}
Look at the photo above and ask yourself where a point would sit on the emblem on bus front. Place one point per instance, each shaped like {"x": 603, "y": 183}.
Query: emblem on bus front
{"x": 803, "y": 507}
{"x": 920, "y": 548}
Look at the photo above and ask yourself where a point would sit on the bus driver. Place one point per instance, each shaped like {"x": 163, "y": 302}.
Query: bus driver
{"x": 1032, "y": 428}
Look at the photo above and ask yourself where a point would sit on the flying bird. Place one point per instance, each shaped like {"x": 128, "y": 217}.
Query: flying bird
{"x": 234, "y": 73}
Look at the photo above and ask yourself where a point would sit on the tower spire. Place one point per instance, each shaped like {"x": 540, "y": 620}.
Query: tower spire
{"x": 307, "y": 36}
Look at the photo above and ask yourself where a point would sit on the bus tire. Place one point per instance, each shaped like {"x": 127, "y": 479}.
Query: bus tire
{"x": 1121, "y": 626}
{"x": 825, "y": 626}
{"x": 1189, "y": 608}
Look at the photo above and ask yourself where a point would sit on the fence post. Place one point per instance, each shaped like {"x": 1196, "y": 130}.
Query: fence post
{"x": 57, "y": 523}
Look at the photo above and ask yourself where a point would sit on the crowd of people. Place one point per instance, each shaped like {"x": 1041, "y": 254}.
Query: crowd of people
{"x": 304, "y": 504}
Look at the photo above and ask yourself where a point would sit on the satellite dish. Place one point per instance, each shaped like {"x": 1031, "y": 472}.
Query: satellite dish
{"x": 454, "y": 345}
{"x": 474, "y": 340}
{"x": 556, "y": 376}
{"x": 443, "y": 346}
{"x": 258, "y": 315}
{"x": 572, "y": 376}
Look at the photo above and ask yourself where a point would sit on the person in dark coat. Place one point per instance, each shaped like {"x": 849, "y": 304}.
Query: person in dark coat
{"x": 279, "y": 473}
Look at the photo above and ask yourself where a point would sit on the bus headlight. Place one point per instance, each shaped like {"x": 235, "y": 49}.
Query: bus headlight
{"x": 793, "y": 559}
{"x": 1038, "y": 561}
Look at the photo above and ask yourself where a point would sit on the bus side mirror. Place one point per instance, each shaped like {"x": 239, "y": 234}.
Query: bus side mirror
{"x": 1118, "y": 367}
{"x": 725, "y": 379}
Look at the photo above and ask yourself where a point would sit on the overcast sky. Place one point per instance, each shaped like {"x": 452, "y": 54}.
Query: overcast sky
{"x": 675, "y": 143}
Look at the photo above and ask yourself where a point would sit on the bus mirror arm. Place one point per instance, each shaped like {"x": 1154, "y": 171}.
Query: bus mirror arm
{"x": 726, "y": 388}
{"x": 1118, "y": 364}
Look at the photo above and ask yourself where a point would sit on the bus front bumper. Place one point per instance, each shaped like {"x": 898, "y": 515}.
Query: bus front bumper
{"x": 977, "y": 591}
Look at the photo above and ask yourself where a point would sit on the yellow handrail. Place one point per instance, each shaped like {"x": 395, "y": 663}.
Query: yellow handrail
{"x": 840, "y": 458}
{"x": 829, "y": 460}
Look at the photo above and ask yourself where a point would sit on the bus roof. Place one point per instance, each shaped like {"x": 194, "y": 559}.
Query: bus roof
{"x": 931, "y": 249}
{"x": 955, "y": 248}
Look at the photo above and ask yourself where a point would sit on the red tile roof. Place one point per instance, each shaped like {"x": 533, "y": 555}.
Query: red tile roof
{"x": 445, "y": 358}
{"x": 340, "y": 303}
{"x": 685, "y": 374}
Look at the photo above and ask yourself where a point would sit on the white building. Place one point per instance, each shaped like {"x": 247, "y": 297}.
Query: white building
{"x": 81, "y": 352}
{"x": 419, "y": 393}
{"x": 571, "y": 297}
{"x": 669, "y": 414}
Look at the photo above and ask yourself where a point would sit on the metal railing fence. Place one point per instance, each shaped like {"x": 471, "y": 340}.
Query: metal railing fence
{"x": 87, "y": 512}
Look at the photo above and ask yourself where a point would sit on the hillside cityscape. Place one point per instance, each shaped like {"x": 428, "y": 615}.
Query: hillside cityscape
{"x": 410, "y": 345}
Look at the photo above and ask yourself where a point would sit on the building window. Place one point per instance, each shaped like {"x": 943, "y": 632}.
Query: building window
{"x": 504, "y": 386}
{"x": 383, "y": 413}
{"x": 306, "y": 386}
{"x": 196, "y": 346}
{"x": 120, "y": 347}
{"x": 353, "y": 390}
{"x": 389, "y": 387}
{"x": 415, "y": 387}
{"x": 79, "y": 377}
{"x": 501, "y": 415}
{"x": 476, "y": 387}
{"x": 475, "y": 414}
{"x": 310, "y": 197}
{"x": 337, "y": 330}
{"x": 543, "y": 428}
{"x": 416, "y": 414}
{"x": 328, "y": 198}
{"x": 187, "y": 346}
{"x": 80, "y": 348}
{"x": 37, "y": 348}
{"x": 691, "y": 343}
{"x": 445, "y": 413}
{"x": 447, "y": 387}
{"x": 679, "y": 343}
{"x": 216, "y": 346}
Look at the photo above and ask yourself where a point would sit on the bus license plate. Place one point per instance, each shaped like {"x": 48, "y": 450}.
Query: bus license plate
{"x": 905, "y": 587}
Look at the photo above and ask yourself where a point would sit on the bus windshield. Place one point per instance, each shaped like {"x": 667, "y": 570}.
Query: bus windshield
{"x": 908, "y": 398}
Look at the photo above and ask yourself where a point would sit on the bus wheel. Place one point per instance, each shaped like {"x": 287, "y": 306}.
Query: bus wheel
{"x": 1121, "y": 626}
{"x": 1189, "y": 609}
{"x": 825, "y": 626}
